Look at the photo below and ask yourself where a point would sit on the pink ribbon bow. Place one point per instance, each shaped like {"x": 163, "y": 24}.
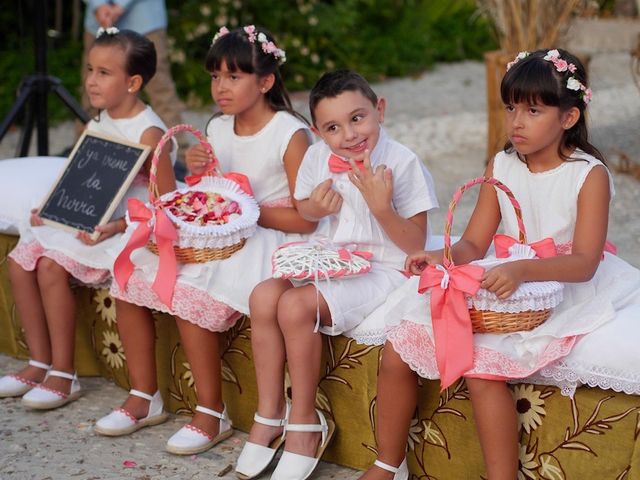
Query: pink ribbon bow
{"x": 452, "y": 331}
{"x": 239, "y": 178}
{"x": 165, "y": 233}
{"x": 338, "y": 165}
{"x": 544, "y": 248}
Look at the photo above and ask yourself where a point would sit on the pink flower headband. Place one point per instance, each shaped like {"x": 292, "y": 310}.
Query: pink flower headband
{"x": 561, "y": 66}
{"x": 268, "y": 47}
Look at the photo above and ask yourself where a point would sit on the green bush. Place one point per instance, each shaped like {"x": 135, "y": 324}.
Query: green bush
{"x": 378, "y": 38}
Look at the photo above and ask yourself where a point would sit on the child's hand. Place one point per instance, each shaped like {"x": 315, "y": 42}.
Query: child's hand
{"x": 197, "y": 159}
{"x": 503, "y": 280}
{"x": 324, "y": 200}
{"x": 376, "y": 187}
{"x": 107, "y": 230}
{"x": 35, "y": 220}
{"x": 417, "y": 262}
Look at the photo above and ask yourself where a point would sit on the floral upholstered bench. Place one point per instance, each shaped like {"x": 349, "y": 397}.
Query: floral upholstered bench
{"x": 595, "y": 435}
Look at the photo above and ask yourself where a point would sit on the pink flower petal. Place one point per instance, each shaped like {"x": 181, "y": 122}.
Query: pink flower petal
{"x": 129, "y": 464}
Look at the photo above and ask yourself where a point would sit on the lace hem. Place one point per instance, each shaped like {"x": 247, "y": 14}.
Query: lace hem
{"x": 189, "y": 303}
{"x": 27, "y": 255}
{"x": 372, "y": 337}
{"x": 568, "y": 376}
{"x": 416, "y": 348}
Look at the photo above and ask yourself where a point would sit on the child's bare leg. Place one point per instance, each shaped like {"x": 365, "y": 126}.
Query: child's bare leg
{"x": 396, "y": 403}
{"x": 138, "y": 335}
{"x": 296, "y": 317}
{"x": 267, "y": 345}
{"x": 203, "y": 353}
{"x": 26, "y": 294}
{"x": 495, "y": 414}
{"x": 60, "y": 312}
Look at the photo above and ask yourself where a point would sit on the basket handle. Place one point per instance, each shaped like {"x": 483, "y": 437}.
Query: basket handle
{"x": 522, "y": 238}
{"x": 214, "y": 165}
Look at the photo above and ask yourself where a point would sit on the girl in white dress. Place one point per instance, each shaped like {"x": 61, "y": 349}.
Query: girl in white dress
{"x": 564, "y": 190}
{"x": 379, "y": 205}
{"x": 259, "y": 135}
{"x": 120, "y": 64}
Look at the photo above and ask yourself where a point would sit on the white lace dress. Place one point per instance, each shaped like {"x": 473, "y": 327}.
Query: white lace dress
{"x": 595, "y": 316}
{"x": 89, "y": 264}
{"x": 209, "y": 294}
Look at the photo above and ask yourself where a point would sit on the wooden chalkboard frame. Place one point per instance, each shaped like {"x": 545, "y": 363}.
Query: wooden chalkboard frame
{"x": 72, "y": 163}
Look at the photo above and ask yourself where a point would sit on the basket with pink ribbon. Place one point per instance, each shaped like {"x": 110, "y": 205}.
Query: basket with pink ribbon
{"x": 208, "y": 220}
{"x": 459, "y": 307}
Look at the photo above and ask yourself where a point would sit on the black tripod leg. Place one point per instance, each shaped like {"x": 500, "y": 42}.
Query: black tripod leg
{"x": 70, "y": 101}
{"x": 25, "y": 134}
{"x": 25, "y": 92}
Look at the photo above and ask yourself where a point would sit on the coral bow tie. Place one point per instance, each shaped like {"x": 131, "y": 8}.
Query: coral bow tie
{"x": 338, "y": 165}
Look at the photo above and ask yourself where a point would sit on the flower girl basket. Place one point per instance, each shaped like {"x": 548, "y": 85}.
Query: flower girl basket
{"x": 208, "y": 220}
{"x": 530, "y": 305}
{"x": 213, "y": 216}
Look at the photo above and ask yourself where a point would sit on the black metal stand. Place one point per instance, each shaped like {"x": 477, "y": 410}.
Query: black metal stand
{"x": 33, "y": 92}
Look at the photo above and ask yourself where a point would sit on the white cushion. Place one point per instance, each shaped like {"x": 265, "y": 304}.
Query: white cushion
{"x": 23, "y": 184}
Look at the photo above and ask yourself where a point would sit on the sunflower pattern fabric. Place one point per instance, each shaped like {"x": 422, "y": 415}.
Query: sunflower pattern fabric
{"x": 594, "y": 435}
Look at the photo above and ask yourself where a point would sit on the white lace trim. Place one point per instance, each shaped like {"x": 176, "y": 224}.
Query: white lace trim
{"x": 372, "y": 337}
{"x": 534, "y": 296}
{"x": 570, "y": 375}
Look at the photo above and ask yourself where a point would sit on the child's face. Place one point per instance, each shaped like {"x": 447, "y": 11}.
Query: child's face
{"x": 236, "y": 92}
{"x": 349, "y": 123}
{"x": 537, "y": 130}
{"x": 107, "y": 81}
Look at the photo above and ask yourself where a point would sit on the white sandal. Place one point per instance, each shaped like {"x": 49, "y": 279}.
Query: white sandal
{"x": 293, "y": 466}
{"x": 190, "y": 440}
{"x": 45, "y": 398}
{"x": 120, "y": 422}
{"x": 254, "y": 459}
{"x": 15, "y": 386}
{"x": 400, "y": 473}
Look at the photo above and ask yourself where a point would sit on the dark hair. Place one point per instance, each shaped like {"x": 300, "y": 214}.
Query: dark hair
{"x": 238, "y": 53}
{"x": 139, "y": 52}
{"x": 534, "y": 79}
{"x": 332, "y": 84}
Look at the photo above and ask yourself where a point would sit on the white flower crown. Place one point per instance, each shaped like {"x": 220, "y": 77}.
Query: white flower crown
{"x": 561, "y": 66}
{"x": 268, "y": 47}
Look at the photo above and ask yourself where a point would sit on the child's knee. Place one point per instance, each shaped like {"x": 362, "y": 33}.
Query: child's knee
{"x": 49, "y": 272}
{"x": 294, "y": 310}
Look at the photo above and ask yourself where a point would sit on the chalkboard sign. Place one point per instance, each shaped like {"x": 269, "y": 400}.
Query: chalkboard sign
{"x": 94, "y": 180}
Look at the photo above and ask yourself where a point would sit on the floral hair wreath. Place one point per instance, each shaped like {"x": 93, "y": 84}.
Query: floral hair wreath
{"x": 561, "y": 66}
{"x": 268, "y": 47}
{"x": 108, "y": 31}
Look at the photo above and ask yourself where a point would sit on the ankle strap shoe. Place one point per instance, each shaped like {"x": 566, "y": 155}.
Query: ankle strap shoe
{"x": 190, "y": 440}
{"x": 400, "y": 473}
{"x": 121, "y": 422}
{"x": 45, "y": 398}
{"x": 16, "y": 385}
{"x": 300, "y": 467}
{"x": 254, "y": 459}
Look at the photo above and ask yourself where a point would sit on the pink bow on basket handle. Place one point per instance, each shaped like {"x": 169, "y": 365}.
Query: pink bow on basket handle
{"x": 452, "y": 330}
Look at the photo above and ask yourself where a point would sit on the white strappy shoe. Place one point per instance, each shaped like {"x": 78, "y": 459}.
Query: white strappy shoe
{"x": 254, "y": 459}
{"x": 400, "y": 473}
{"x": 190, "y": 440}
{"x": 15, "y": 386}
{"x": 293, "y": 466}
{"x": 120, "y": 422}
{"x": 45, "y": 398}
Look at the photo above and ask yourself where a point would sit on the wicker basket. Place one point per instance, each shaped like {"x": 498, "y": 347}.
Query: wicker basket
{"x": 200, "y": 244}
{"x": 489, "y": 321}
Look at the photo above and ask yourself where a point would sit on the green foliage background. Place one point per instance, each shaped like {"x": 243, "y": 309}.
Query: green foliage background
{"x": 378, "y": 38}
